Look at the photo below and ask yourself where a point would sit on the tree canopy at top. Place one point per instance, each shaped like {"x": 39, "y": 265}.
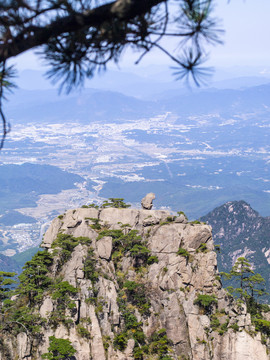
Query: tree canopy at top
{"x": 76, "y": 38}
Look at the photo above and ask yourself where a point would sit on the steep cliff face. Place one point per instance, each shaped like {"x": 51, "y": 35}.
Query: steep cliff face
{"x": 132, "y": 284}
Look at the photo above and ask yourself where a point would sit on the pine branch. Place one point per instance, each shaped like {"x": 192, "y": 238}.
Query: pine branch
{"x": 35, "y": 36}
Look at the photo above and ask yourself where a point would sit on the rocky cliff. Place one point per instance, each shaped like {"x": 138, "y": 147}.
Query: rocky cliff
{"x": 127, "y": 284}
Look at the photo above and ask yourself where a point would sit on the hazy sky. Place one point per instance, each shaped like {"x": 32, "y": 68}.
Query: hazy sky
{"x": 247, "y": 27}
{"x": 246, "y": 41}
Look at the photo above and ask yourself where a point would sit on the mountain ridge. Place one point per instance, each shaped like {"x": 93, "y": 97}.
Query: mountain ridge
{"x": 241, "y": 231}
{"x": 101, "y": 104}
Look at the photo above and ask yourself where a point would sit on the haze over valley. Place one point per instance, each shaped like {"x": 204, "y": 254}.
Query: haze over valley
{"x": 194, "y": 150}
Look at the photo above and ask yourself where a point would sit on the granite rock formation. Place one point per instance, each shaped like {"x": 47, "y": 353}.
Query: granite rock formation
{"x": 147, "y": 201}
{"x": 138, "y": 281}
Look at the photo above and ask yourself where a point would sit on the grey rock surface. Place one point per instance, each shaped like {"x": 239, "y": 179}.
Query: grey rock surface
{"x": 46, "y": 307}
{"x": 181, "y": 219}
{"x": 102, "y": 303}
{"x": 147, "y": 201}
{"x": 104, "y": 247}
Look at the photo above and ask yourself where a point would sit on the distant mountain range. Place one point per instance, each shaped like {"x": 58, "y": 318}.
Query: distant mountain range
{"x": 100, "y": 105}
{"x": 149, "y": 81}
{"x": 241, "y": 231}
{"x": 85, "y": 107}
{"x": 224, "y": 102}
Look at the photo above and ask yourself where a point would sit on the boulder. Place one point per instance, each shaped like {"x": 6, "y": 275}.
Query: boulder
{"x": 147, "y": 201}
{"x": 181, "y": 219}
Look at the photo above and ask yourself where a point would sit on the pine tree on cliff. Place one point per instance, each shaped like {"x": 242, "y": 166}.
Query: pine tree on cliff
{"x": 5, "y": 282}
{"x": 247, "y": 284}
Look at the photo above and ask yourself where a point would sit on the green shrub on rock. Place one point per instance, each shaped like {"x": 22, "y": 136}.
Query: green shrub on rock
{"x": 262, "y": 325}
{"x": 215, "y": 323}
{"x": 160, "y": 344}
{"x": 83, "y": 332}
{"x": 152, "y": 260}
{"x": 136, "y": 294}
{"x": 194, "y": 222}
{"x": 89, "y": 268}
{"x": 90, "y": 206}
{"x": 223, "y": 327}
{"x": 206, "y": 302}
{"x": 59, "y": 349}
{"x": 63, "y": 290}
{"x": 66, "y": 243}
{"x": 182, "y": 213}
{"x": 183, "y": 252}
{"x": 120, "y": 341}
{"x": 140, "y": 253}
{"x": 115, "y": 203}
{"x": 202, "y": 248}
{"x": 235, "y": 327}
{"x": 96, "y": 223}
{"x": 127, "y": 243}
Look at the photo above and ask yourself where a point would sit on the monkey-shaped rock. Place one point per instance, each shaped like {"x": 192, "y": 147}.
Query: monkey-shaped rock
{"x": 147, "y": 201}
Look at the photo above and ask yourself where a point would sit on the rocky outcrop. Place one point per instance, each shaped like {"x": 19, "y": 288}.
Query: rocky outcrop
{"x": 132, "y": 280}
{"x": 147, "y": 201}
